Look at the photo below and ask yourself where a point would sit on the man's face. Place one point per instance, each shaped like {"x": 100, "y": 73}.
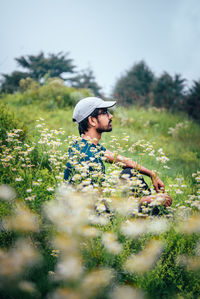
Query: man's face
{"x": 104, "y": 120}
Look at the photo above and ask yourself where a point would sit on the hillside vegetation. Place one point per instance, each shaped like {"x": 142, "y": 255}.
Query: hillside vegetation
{"x": 58, "y": 243}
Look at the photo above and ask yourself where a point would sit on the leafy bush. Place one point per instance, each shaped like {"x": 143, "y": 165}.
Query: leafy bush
{"x": 53, "y": 94}
{"x": 8, "y": 122}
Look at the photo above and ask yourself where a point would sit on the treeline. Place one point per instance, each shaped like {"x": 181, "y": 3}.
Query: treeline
{"x": 138, "y": 86}
{"x": 40, "y": 68}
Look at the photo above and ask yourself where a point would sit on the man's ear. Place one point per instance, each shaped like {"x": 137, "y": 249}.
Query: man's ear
{"x": 92, "y": 121}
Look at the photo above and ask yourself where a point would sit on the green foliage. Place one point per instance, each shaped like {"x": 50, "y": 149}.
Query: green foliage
{"x": 10, "y": 83}
{"x": 53, "y": 65}
{"x": 38, "y": 68}
{"x": 53, "y": 94}
{"x": 169, "y": 92}
{"x": 140, "y": 87}
{"x": 193, "y": 101}
{"x": 135, "y": 86}
{"x": 169, "y": 278}
{"x": 8, "y": 122}
{"x": 86, "y": 79}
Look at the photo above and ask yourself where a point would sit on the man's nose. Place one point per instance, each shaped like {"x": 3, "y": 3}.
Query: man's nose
{"x": 110, "y": 116}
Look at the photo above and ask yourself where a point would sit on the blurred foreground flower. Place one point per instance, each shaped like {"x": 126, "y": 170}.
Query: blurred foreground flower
{"x": 125, "y": 206}
{"x": 98, "y": 220}
{"x": 89, "y": 232}
{"x": 28, "y": 287}
{"x": 70, "y": 212}
{"x": 66, "y": 244}
{"x": 110, "y": 242}
{"x": 69, "y": 268}
{"x": 137, "y": 227}
{"x": 22, "y": 220}
{"x": 92, "y": 284}
{"x": 7, "y": 193}
{"x": 126, "y": 292}
{"x": 95, "y": 281}
{"x": 191, "y": 262}
{"x": 133, "y": 228}
{"x": 14, "y": 261}
{"x": 145, "y": 259}
{"x": 191, "y": 225}
{"x": 65, "y": 293}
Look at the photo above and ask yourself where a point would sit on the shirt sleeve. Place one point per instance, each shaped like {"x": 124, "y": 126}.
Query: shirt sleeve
{"x": 102, "y": 148}
{"x": 68, "y": 172}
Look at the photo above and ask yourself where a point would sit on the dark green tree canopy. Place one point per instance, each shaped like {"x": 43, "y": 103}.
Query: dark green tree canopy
{"x": 86, "y": 79}
{"x": 193, "y": 101}
{"x": 10, "y": 83}
{"x": 169, "y": 92}
{"x": 53, "y": 65}
{"x": 135, "y": 86}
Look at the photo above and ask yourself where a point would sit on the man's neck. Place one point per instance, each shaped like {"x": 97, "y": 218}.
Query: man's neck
{"x": 94, "y": 137}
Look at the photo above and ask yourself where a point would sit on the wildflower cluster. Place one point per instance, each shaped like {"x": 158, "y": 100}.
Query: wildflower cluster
{"x": 15, "y": 153}
{"x": 33, "y": 168}
{"x": 123, "y": 117}
{"x": 51, "y": 144}
{"x": 162, "y": 157}
{"x": 179, "y": 126}
{"x": 192, "y": 201}
{"x": 146, "y": 148}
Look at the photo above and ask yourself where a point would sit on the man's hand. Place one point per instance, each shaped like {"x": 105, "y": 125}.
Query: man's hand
{"x": 158, "y": 184}
{"x": 168, "y": 200}
{"x": 164, "y": 199}
{"x": 126, "y": 162}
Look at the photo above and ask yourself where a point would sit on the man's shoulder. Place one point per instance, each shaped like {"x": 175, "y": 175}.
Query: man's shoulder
{"x": 101, "y": 147}
{"x": 85, "y": 146}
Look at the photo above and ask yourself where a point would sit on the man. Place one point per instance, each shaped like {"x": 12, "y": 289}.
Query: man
{"x": 86, "y": 154}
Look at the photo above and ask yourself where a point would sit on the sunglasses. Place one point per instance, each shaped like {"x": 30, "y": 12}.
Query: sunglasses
{"x": 100, "y": 111}
{"x": 104, "y": 111}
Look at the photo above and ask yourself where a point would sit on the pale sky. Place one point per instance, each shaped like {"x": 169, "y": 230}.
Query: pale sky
{"x": 107, "y": 35}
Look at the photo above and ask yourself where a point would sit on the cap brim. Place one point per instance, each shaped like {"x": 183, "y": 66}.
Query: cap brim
{"x": 107, "y": 104}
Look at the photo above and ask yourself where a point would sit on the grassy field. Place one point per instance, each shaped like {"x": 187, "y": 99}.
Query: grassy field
{"x": 54, "y": 244}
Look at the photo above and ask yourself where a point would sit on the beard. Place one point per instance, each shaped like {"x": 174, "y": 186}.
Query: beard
{"x": 102, "y": 129}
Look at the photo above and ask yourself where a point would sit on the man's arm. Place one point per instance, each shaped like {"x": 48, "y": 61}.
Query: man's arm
{"x": 127, "y": 162}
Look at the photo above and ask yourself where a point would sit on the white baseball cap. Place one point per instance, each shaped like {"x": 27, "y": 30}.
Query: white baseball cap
{"x": 87, "y": 105}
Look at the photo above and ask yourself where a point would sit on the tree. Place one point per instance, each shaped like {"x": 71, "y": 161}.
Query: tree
{"x": 193, "y": 101}
{"x": 38, "y": 67}
{"x": 179, "y": 92}
{"x": 135, "y": 86}
{"x": 53, "y": 65}
{"x": 86, "y": 79}
{"x": 168, "y": 92}
{"x": 11, "y": 82}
